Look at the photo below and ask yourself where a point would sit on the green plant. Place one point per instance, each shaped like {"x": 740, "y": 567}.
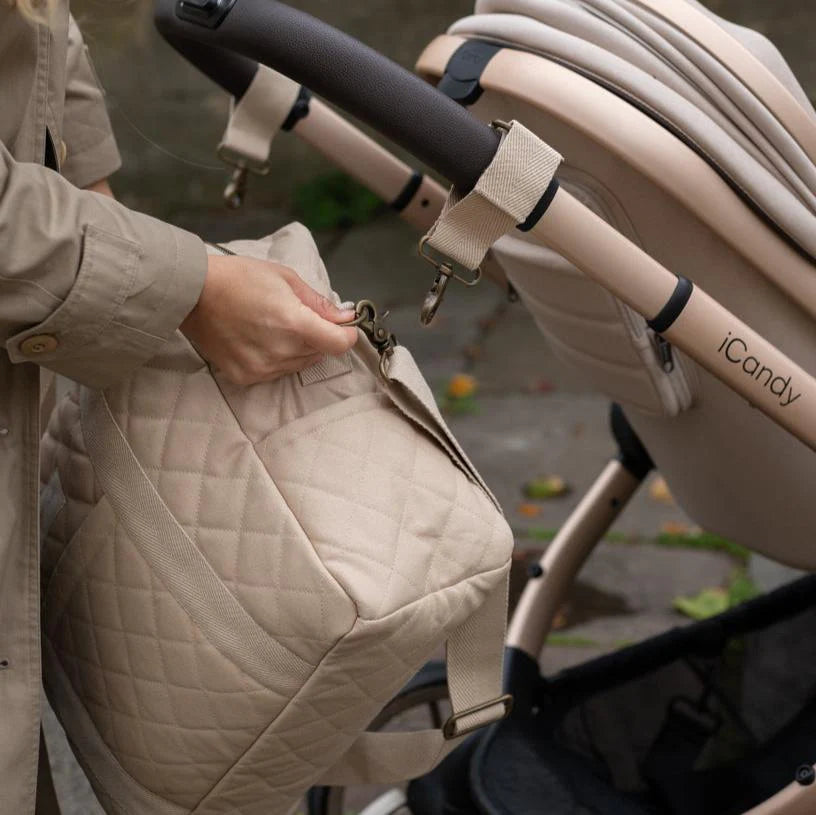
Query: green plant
{"x": 335, "y": 201}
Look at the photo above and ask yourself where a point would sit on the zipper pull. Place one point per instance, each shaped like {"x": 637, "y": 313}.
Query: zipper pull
{"x": 665, "y": 352}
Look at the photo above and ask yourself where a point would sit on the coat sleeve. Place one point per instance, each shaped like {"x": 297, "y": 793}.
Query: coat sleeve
{"x": 91, "y": 154}
{"x": 88, "y": 288}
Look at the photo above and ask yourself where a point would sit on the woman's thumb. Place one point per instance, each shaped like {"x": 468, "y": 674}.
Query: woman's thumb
{"x": 319, "y": 304}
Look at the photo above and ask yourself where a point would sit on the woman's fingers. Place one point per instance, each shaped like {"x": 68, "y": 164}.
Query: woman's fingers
{"x": 319, "y": 304}
{"x": 318, "y": 321}
{"x": 322, "y": 335}
{"x": 256, "y": 321}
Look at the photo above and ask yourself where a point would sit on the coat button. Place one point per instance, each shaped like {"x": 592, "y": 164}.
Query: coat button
{"x": 39, "y": 344}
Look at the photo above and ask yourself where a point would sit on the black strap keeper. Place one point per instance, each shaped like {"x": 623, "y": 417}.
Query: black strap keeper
{"x": 408, "y": 193}
{"x": 300, "y": 110}
{"x": 674, "y": 308}
{"x": 541, "y": 207}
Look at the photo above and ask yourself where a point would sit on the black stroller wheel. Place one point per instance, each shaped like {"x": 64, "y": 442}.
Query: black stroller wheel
{"x": 423, "y": 702}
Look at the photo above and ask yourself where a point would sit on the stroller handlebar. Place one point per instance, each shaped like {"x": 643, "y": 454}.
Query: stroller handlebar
{"x": 337, "y": 67}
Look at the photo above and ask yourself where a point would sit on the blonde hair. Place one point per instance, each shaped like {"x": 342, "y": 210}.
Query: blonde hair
{"x": 38, "y": 11}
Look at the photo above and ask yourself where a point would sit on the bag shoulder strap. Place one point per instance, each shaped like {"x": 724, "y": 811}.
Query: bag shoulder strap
{"x": 475, "y": 650}
{"x": 475, "y": 662}
{"x": 176, "y": 560}
{"x": 417, "y": 403}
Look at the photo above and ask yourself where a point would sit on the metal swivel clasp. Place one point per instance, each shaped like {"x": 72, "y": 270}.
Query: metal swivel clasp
{"x": 372, "y": 324}
{"x": 444, "y": 274}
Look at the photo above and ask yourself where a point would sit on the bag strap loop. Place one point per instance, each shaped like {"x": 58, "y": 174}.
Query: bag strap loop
{"x": 256, "y": 118}
{"x": 508, "y": 192}
{"x": 475, "y": 660}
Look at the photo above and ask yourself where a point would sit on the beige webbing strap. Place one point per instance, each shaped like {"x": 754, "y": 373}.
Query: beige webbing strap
{"x": 475, "y": 650}
{"x": 256, "y": 119}
{"x": 424, "y": 411}
{"x": 504, "y": 197}
{"x": 175, "y": 558}
{"x": 475, "y": 662}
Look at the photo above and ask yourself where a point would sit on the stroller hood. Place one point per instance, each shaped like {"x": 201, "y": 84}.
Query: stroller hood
{"x": 676, "y": 80}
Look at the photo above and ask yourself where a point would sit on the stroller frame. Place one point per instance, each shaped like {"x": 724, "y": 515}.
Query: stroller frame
{"x": 682, "y": 313}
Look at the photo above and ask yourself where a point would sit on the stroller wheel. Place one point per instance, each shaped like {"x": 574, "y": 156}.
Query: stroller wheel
{"x": 422, "y": 703}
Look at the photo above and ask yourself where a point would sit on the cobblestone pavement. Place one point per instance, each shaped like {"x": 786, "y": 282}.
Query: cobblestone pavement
{"x": 533, "y": 417}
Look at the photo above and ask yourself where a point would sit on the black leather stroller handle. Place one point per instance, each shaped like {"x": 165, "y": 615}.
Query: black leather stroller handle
{"x": 339, "y": 68}
{"x": 231, "y": 71}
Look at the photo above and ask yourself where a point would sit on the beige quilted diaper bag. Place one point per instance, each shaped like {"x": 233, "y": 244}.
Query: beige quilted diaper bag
{"x": 237, "y": 580}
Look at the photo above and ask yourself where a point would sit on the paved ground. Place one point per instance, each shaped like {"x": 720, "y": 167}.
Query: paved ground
{"x": 533, "y": 417}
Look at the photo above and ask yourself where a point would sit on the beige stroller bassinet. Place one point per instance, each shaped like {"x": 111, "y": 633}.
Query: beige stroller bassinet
{"x": 698, "y": 144}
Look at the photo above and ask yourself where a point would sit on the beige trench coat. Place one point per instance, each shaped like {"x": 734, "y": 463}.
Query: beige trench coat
{"x": 88, "y": 289}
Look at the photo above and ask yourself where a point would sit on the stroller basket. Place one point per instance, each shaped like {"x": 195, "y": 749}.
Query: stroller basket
{"x": 710, "y": 719}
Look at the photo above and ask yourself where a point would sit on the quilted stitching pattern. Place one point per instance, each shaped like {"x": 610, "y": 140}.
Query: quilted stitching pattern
{"x": 368, "y": 493}
{"x": 63, "y": 449}
{"x": 321, "y": 724}
{"x": 170, "y": 707}
{"x": 208, "y": 474}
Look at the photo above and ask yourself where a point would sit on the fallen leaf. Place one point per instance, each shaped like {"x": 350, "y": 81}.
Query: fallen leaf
{"x": 529, "y": 510}
{"x": 675, "y": 528}
{"x": 546, "y": 487}
{"x": 462, "y": 386}
{"x": 560, "y": 622}
{"x": 708, "y": 603}
{"x": 660, "y": 492}
{"x": 542, "y": 386}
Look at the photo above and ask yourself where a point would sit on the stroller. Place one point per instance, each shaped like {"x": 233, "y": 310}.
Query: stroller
{"x": 675, "y": 266}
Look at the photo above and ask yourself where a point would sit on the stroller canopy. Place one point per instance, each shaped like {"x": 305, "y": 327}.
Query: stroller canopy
{"x": 675, "y": 79}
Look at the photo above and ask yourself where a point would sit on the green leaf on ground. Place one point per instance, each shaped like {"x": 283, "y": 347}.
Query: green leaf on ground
{"x": 536, "y": 533}
{"x": 464, "y": 406}
{"x": 546, "y": 487}
{"x": 708, "y": 603}
{"x": 713, "y": 601}
{"x": 696, "y": 539}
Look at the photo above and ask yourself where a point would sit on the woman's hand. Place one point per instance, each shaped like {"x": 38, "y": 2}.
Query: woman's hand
{"x": 256, "y": 321}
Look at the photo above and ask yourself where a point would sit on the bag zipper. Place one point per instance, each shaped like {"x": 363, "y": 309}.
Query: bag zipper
{"x": 665, "y": 353}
